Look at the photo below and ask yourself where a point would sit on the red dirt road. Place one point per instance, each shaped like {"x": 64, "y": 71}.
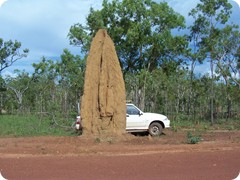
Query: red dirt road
{"x": 167, "y": 157}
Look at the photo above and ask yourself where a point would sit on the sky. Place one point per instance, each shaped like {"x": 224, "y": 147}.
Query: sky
{"x": 42, "y": 25}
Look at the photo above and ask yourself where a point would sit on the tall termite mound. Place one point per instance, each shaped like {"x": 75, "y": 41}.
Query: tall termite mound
{"x": 103, "y": 106}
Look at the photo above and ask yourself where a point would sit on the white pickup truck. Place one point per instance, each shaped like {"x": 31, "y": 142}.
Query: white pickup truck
{"x": 139, "y": 121}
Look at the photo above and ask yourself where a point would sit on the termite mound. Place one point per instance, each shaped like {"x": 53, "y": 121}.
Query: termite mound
{"x": 103, "y": 105}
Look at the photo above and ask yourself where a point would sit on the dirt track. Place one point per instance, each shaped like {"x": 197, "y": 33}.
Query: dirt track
{"x": 167, "y": 157}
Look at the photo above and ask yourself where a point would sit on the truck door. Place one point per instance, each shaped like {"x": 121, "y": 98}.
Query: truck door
{"x": 135, "y": 118}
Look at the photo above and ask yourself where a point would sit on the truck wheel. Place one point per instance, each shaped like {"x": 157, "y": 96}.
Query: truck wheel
{"x": 155, "y": 129}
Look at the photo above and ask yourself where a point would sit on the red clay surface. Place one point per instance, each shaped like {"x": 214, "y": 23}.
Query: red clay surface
{"x": 217, "y": 156}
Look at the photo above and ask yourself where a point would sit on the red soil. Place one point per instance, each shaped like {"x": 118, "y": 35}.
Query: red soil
{"x": 217, "y": 156}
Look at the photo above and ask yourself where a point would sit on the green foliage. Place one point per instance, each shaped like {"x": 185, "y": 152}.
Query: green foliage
{"x": 209, "y": 34}
{"x": 59, "y": 85}
{"x": 10, "y": 53}
{"x": 141, "y": 31}
{"x": 174, "y": 127}
{"x": 193, "y": 139}
{"x": 70, "y": 71}
{"x": 2, "y": 85}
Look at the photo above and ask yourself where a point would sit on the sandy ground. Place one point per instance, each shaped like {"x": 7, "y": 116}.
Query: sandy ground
{"x": 217, "y": 156}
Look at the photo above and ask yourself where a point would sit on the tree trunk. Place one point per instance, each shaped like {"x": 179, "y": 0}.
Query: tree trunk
{"x": 212, "y": 93}
{"x": 142, "y": 97}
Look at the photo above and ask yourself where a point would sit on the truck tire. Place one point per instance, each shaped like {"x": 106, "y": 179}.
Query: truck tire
{"x": 155, "y": 129}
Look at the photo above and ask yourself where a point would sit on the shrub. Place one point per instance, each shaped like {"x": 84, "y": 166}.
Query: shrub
{"x": 192, "y": 139}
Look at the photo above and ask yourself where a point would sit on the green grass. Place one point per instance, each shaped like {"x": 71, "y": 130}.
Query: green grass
{"x": 29, "y": 125}
{"x": 33, "y": 125}
{"x": 230, "y": 124}
{"x": 203, "y": 125}
{"x": 196, "y": 128}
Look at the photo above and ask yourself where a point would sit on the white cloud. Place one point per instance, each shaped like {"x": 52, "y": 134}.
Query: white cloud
{"x": 238, "y": 2}
{"x": 8, "y": 73}
{"x": 2, "y": 2}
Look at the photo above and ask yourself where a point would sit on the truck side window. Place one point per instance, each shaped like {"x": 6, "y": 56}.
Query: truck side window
{"x": 131, "y": 110}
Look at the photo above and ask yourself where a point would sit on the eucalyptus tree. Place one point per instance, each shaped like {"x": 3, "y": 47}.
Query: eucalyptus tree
{"x": 19, "y": 86}
{"x": 10, "y": 52}
{"x": 2, "y": 93}
{"x": 228, "y": 54}
{"x": 45, "y": 85}
{"x": 59, "y": 83}
{"x": 70, "y": 75}
{"x": 141, "y": 31}
{"x": 210, "y": 16}
{"x": 227, "y": 58}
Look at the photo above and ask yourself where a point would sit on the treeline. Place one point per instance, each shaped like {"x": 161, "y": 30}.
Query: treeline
{"x": 57, "y": 88}
{"x": 158, "y": 55}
